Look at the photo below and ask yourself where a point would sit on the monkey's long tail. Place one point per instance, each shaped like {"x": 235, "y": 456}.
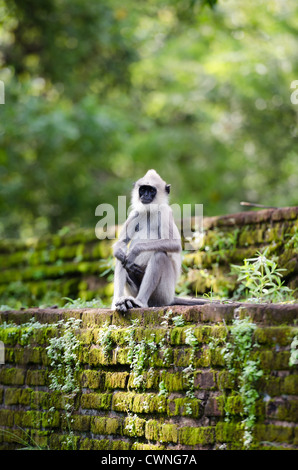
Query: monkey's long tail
{"x": 189, "y": 301}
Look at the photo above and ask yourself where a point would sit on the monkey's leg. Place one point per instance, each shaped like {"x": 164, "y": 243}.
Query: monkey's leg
{"x": 119, "y": 282}
{"x": 149, "y": 283}
{"x": 158, "y": 284}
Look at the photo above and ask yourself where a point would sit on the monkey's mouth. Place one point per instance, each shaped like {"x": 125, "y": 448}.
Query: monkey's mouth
{"x": 146, "y": 201}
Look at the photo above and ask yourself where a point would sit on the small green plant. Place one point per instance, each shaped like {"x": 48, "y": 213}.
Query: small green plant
{"x": 188, "y": 372}
{"x": 63, "y": 354}
{"x": 260, "y": 280}
{"x": 81, "y": 303}
{"x": 139, "y": 354}
{"x": 294, "y": 352}
{"x": 62, "y": 351}
{"x": 105, "y": 338}
{"x": 108, "y": 266}
{"x": 178, "y": 320}
{"x": 244, "y": 369}
{"x": 27, "y": 442}
{"x": 162, "y": 388}
{"x": 292, "y": 240}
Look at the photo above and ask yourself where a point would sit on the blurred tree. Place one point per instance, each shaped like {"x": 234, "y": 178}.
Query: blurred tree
{"x": 98, "y": 92}
{"x": 70, "y": 42}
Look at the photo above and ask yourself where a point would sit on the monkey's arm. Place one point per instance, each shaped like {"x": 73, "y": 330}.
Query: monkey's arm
{"x": 166, "y": 245}
{"x": 171, "y": 246}
{"x": 119, "y": 248}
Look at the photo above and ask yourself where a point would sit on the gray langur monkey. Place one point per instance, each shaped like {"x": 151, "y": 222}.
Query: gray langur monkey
{"x": 148, "y": 251}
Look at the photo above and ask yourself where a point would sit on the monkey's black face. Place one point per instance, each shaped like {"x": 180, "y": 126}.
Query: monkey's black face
{"x": 147, "y": 194}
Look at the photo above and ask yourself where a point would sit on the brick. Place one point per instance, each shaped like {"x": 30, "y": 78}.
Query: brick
{"x": 37, "y": 377}
{"x": 96, "y": 401}
{"x": 197, "y": 435}
{"x": 16, "y": 396}
{"x": 80, "y": 423}
{"x": 12, "y": 376}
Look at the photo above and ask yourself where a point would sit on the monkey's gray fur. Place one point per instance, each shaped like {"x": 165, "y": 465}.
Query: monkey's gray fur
{"x": 148, "y": 252}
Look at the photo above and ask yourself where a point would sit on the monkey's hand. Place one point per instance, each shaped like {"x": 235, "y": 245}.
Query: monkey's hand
{"x": 125, "y": 303}
{"x": 134, "y": 269}
{"x": 120, "y": 254}
{"x": 130, "y": 258}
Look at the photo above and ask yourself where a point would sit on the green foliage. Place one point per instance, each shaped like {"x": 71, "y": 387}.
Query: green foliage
{"x": 101, "y": 91}
{"x": 139, "y": 356}
{"x": 293, "y": 361}
{"x": 62, "y": 351}
{"x": 81, "y": 303}
{"x": 238, "y": 353}
{"x": 188, "y": 372}
{"x": 260, "y": 280}
{"x": 105, "y": 338}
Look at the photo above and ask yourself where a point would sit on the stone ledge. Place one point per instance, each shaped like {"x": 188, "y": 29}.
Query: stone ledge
{"x": 216, "y": 311}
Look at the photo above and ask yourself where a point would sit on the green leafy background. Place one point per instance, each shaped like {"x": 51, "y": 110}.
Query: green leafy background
{"x": 96, "y": 93}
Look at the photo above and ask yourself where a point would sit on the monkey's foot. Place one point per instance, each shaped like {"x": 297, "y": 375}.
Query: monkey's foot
{"x": 125, "y": 303}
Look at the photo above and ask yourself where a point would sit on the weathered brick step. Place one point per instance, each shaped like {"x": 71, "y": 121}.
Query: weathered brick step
{"x": 213, "y": 312}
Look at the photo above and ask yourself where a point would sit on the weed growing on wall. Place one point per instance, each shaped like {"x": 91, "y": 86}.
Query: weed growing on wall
{"x": 294, "y": 352}
{"x": 188, "y": 372}
{"x": 237, "y": 354}
{"x": 260, "y": 280}
{"x": 62, "y": 352}
{"x": 139, "y": 354}
{"x": 105, "y": 338}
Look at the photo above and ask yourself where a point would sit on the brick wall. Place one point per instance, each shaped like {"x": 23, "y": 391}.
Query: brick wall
{"x": 111, "y": 411}
{"x": 77, "y": 264}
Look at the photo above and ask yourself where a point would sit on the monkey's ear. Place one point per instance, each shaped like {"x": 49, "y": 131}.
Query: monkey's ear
{"x": 168, "y": 187}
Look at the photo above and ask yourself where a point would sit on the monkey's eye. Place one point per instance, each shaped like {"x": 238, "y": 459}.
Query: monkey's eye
{"x": 147, "y": 193}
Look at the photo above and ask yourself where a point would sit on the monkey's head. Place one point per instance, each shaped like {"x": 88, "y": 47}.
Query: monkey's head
{"x": 150, "y": 189}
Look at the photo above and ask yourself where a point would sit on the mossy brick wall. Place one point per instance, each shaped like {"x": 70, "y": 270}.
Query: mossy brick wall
{"x": 232, "y": 238}
{"x": 75, "y": 264}
{"x": 111, "y": 413}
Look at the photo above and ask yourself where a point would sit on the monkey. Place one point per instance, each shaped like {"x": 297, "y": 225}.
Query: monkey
{"x": 148, "y": 250}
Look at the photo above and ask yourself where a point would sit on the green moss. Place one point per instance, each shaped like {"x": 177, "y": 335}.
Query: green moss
{"x": 37, "y": 377}
{"x": 274, "y": 433}
{"x": 134, "y": 426}
{"x": 50, "y": 419}
{"x": 285, "y": 409}
{"x": 10, "y": 336}
{"x": 290, "y": 385}
{"x": 96, "y": 401}
{"x": 28, "y": 419}
{"x": 12, "y": 376}
{"x": 169, "y": 433}
{"x": 17, "y": 396}
{"x": 274, "y": 336}
{"x": 139, "y": 446}
{"x": 152, "y": 430}
{"x": 120, "y": 445}
{"x": 92, "y": 379}
{"x": 103, "y": 425}
{"x": 234, "y": 405}
{"x": 116, "y": 379}
{"x": 184, "y": 407}
{"x": 80, "y": 423}
{"x": 229, "y": 432}
{"x": 174, "y": 381}
{"x": 197, "y": 435}
{"x": 6, "y": 418}
{"x": 40, "y": 400}
{"x": 163, "y": 432}
{"x": 273, "y": 360}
